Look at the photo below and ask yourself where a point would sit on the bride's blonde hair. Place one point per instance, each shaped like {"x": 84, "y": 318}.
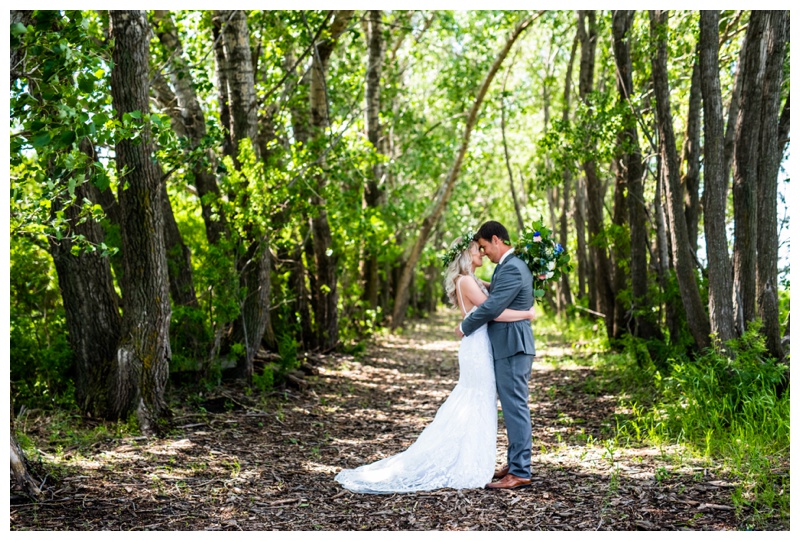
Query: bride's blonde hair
{"x": 460, "y": 266}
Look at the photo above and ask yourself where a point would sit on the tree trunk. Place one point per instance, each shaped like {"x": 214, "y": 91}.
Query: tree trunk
{"x": 235, "y": 62}
{"x": 141, "y": 371}
{"x": 301, "y": 116}
{"x": 301, "y": 302}
{"x": 514, "y": 198}
{"x": 715, "y": 195}
{"x": 733, "y": 114}
{"x": 374, "y": 194}
{"x": 682, "y": 257}
{"x": 23, "y": 17}
{"x": 90, "y": 303}
{"x": 326, "y": 295}
{"x": 632, "y": 167}
{"x": 188, "y": 119}
{"x": 550, "y": 192}
{"x": 770, "y": 155}
{"x": 585, "y": 273}
{"x": 745, "y": 173}
{"x": 783, "y": 125}
{"x": 620, "y": 250}
{"x": 664, "y": 263}
{"x": 594, "y": 190}
{"x": 179, "y": 257}
{"x": 85, "y": 278}
{"x": 446, "y": 189}
{"x": 301, "y": 292}
{"x": 237, "y": 72}
{"x": 20, "y": 470}
{"x": 691, "y": 156}
{"x": 221, "y": 71}
{"x": 565, "y": 291}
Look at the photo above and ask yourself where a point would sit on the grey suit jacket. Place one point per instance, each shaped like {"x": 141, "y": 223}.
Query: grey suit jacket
{"x": 512, "y": 287}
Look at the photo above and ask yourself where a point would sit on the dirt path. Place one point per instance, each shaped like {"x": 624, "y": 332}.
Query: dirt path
{"x": 271, "y": 467}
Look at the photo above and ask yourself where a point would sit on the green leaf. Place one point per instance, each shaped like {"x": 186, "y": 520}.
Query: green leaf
{"x": 67, "y": 138}
{"x": 101, "y": 180}
{"x": 17, "y": 29}
{"x": 135, "y": 114}
{"x": 538, "y": 293}
{"x": 41, "y": 140}
{"x": 86, "y": 84}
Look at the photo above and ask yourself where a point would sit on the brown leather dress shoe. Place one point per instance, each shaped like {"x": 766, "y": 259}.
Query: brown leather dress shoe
{"x": 510, "y": 481}
{"x": 502, "y": 472}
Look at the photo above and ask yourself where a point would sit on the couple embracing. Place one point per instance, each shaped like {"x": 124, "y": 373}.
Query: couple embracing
{"x": 457, "y": 449}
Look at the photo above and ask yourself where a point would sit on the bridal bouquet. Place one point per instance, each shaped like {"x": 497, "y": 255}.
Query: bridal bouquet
{"x": 546, "y": 258}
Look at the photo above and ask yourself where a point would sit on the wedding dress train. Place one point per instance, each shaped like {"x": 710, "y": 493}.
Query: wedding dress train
{"x": 457, "y": 450}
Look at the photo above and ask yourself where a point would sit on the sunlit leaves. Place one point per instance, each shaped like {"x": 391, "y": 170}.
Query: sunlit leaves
{"x": 54, "y": 106}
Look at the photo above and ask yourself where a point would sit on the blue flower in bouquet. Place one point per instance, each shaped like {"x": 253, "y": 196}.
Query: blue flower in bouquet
{"x": 546, "y": 259}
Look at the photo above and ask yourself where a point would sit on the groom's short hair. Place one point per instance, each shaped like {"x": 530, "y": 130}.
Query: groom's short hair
{"x": 490, "y": 229}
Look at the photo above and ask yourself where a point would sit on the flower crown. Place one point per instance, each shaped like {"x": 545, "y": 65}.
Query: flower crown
{"x": 451, "y": 254}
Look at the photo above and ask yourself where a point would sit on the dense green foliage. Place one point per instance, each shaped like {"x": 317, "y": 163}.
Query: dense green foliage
{"x": 42, "y": 361}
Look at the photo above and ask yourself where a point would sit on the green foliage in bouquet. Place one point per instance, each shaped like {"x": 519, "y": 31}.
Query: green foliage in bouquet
{"x": 546, "y": 258}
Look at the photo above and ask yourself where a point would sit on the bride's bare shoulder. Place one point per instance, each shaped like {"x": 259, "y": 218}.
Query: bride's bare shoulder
{"x": 469, "y": 285}
{"x": 460, "y": 279}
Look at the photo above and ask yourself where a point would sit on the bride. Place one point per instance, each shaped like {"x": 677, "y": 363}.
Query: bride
{"x": 457, "y": 450}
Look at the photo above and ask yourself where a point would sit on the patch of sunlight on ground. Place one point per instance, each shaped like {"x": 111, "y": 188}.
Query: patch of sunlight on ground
{"x": 542, "y": 364}
{"x": 170, "y": 447}
{"x": 555, "y": 352}
{"x": 441, "y": 345}
{"x": 316, "y": 467}
{"x": 634, "y": 463}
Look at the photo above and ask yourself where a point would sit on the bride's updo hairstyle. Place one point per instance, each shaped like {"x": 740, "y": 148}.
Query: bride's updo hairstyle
{"x": 460, "y": 265}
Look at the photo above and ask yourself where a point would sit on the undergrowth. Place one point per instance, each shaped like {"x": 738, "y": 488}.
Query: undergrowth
{"x": 723, "y": 406}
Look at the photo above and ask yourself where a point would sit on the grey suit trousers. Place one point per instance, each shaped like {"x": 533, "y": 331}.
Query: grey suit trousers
{"x": 512, "y": 375}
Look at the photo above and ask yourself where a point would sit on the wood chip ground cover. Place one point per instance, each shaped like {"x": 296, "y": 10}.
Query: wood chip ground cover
{"x": 242, "y": 465}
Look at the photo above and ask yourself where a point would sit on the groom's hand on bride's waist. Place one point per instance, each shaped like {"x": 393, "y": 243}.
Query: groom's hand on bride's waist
{"x": 459, "y": 332}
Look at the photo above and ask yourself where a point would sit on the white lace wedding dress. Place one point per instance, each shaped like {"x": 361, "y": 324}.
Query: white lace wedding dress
{"x": 457, "y": 450}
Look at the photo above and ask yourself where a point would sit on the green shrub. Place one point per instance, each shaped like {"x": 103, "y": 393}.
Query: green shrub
{"x": 40, "y": 357}
{"x": 190, "y": 339}
{"x": 722, "y": 392}
{"x": 724, "y": 404}
{"x": 265, "y": 380}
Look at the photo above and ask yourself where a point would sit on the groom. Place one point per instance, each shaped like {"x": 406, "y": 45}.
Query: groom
{"x": 512, "y": 347}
